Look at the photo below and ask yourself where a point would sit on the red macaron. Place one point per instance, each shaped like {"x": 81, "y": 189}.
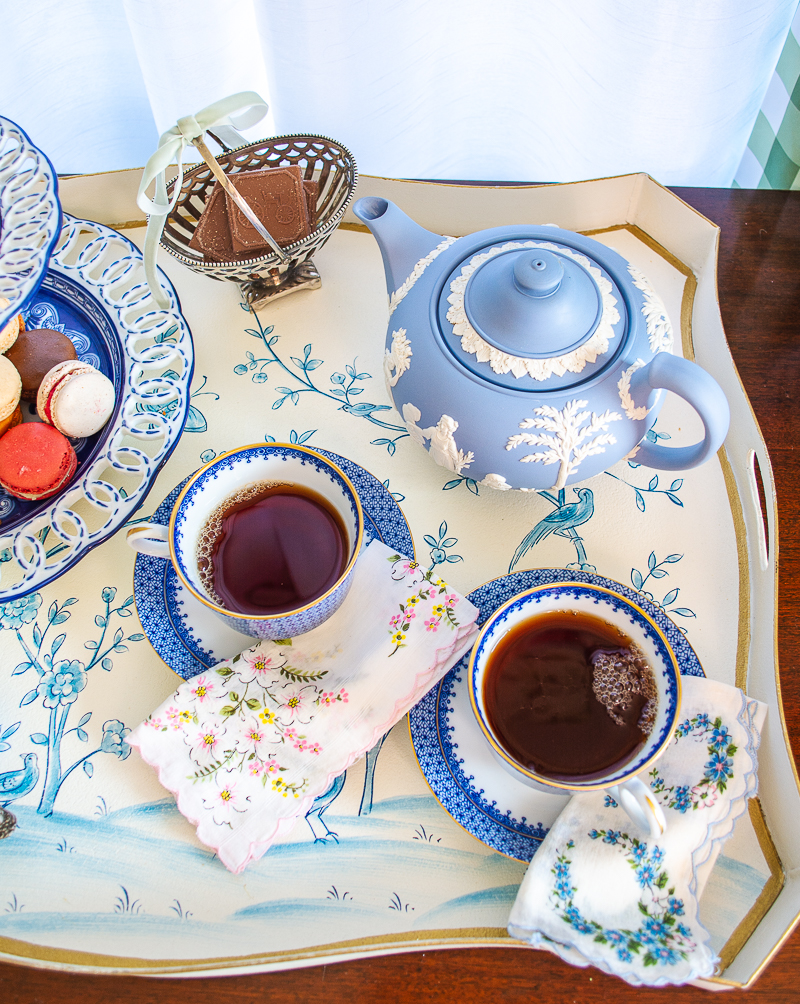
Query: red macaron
{"x": 36, "y": 461}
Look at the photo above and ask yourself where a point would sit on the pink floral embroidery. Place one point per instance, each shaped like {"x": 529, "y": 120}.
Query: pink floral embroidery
{"x": 254, "y": 737}
{"x": 294, "y": 702}
{"x": 255, "y": 665}
{"x": 225, "y": 801}
{"x": 440, "y": 612}
{"x": 205, "y": 748}
{"x": 202, "y": 688}
{"x": 174, "y": 718}
{"x": 328, "y": 697}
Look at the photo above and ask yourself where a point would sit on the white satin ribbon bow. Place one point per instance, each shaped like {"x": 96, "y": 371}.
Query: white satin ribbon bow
{"x": 239, "y": 110}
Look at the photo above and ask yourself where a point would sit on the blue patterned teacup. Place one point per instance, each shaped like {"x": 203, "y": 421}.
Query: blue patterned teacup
{"x": 223, "y": 478}
{"x": 621, "y": 780}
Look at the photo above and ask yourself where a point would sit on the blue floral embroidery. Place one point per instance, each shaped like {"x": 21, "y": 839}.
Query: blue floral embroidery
{"x": 718, "y": 769}
{"x": 660, "y": 939}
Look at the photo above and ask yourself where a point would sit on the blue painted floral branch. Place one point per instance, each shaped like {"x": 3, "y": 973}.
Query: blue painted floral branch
{"x": 653, "y": 489}
{"x": 656, "y": 571}
{"x": 342, "y": 392}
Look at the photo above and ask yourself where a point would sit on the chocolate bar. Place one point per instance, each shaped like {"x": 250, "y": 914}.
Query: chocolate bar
{"x": 284, "y": 202}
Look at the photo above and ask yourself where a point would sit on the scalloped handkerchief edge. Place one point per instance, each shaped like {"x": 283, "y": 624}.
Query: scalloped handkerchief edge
{"x": 247, "y": 746}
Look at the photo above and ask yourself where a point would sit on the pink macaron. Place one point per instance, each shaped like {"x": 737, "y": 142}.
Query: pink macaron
{"x": 76, "y": 398}
{"x": 36, "y": 461}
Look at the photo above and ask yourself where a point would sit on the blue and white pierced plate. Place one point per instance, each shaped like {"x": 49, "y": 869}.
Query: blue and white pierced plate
{"x": 95, "y": 292}
{"x": 30, "y": 217}
{"x": 180, "y": 628}
{"x": 454, "y": 756}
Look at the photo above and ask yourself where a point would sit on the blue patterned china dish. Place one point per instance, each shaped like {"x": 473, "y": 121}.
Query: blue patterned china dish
{"x": 30, "y": 218}
{"x": 220, "y": 480}
{"x": 93, "y": 293}
{"x": 609, "y": 606}
{"x": 531, "y": 328}
{"x": 177, "y": 625}
{"x": 457, "y": 761}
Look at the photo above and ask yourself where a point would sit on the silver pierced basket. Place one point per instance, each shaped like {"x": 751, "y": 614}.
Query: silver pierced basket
{"x": 263, "y": 279}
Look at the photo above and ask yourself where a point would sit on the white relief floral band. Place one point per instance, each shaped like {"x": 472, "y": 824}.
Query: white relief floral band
{"x": 247, "y": 746}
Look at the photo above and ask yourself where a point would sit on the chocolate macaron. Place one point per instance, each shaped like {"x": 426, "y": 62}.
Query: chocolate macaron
{"x": 36, "y": 461}
{"x": 76, "y": 398}
{"x": 35, "y": 353}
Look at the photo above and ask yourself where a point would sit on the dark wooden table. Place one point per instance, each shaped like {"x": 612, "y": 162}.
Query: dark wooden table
{"x": 759, "y": 290}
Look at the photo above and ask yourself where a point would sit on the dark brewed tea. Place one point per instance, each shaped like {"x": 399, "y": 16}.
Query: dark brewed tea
{"x": 271, "y": 548}
{"x": 569, "y": 696}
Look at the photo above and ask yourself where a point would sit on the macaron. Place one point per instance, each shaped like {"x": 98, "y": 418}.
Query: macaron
{"x": 76, "y": 398}
{"x": 10, "y": 389}
{"x": 36, "y": 461}
{"x": 35, "y": 353}
{"x": 9, "y": 333}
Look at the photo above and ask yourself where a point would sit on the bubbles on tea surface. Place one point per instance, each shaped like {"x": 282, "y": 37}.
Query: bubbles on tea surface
{"x": 619, "y": 674}
{"x": 212, "y": 531}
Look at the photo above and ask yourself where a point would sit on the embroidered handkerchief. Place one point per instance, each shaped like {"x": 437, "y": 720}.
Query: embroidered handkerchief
{"x": 247, "y": 746}
{"x": 600, "y": 892}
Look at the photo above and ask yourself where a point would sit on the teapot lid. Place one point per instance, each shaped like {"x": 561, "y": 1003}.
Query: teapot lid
{"x": 532, "y": 309}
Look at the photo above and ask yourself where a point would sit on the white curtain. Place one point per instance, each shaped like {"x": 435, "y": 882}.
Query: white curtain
{"x": 527, "y": 90}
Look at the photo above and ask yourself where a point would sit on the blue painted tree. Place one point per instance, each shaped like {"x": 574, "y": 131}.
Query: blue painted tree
{"x": 62, "y": 680}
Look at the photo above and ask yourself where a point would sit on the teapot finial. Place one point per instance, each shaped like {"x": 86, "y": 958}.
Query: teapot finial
{"x": 538, "y": 273}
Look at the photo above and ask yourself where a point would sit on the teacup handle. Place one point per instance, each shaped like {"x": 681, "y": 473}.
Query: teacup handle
{"x": 638, "y": 800}
{"x": 149, "y": 538}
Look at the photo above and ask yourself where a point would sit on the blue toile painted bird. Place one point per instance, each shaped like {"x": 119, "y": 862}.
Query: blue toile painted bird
{"x": 16, "y": 783}
{"x": 565, "y": 518}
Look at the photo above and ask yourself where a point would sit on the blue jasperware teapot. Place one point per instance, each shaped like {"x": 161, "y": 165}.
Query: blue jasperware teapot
{"x": 529, "y": 356}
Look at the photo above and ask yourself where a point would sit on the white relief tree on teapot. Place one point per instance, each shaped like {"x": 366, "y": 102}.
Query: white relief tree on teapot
{"x": 565, "y": 435}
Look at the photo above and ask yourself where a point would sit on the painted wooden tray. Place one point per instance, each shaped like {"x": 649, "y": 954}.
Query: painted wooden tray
{"x": 120, "y": 883}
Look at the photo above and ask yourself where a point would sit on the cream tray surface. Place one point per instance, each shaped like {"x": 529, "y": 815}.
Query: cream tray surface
{"x": 380, "y": 867}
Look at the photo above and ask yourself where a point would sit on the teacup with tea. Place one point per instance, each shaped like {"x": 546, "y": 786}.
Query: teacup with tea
{"x": 265, "y": 536}
{"x": 576, "y": 688}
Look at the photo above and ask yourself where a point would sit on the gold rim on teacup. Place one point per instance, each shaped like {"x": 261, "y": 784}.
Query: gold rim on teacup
{"x": 284, "y": 615}
{"x": 500, "y": 750}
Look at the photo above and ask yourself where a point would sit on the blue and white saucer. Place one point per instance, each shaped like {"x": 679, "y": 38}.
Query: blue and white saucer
{"x": 454, "y": 756}
{"x": 180, "y": 628}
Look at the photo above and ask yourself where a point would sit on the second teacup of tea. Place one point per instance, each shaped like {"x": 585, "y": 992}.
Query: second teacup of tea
{"x": 265, "y": 536}
{"x": 576, "y": 688}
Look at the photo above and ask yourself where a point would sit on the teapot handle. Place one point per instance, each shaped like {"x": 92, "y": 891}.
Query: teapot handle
{"x": 703, "y": 393}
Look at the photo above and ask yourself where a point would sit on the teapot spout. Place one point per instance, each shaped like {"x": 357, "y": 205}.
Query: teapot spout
{"x": 402, "y": 241}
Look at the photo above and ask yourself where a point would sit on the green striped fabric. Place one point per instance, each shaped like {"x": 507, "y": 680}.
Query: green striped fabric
{"x": 772, "y": 157}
